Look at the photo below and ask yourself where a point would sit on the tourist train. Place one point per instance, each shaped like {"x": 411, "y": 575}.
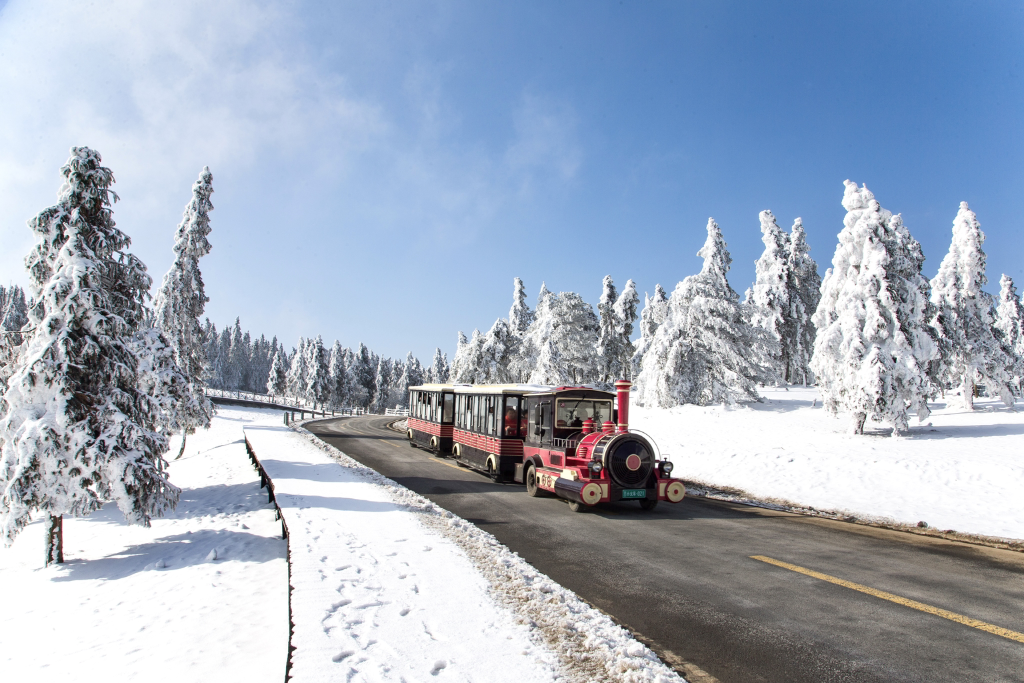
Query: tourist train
{"x": 574, "y": 442}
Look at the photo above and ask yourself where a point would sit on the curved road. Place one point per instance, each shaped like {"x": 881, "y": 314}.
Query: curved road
{"x": 684, "y": 579}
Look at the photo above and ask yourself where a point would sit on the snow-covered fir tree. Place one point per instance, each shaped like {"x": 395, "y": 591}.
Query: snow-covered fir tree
{"x": 382, "y": 381}
{"x": 651, "y": 317}
{"x": 179, "y": 304}
{"x": 77, "y": 431}
{"x": 964, "y": 315}
{"x": 297, "y": 370}
{"x": 768, "y": 303}
{"x": 277, "y": 380}
{"x": 494, "y": 359}
{"x": 574, "y": 335}
{"x": 804, "y": 294}
{"x": 700, "y": 352}
{"x": 519, "y": 316}
{"x": 467, "y": 358}
{"x": 611, "y": 347}
{"x": 1010, "y": 324}
{"x": 536, "y": 356}
{"x": 318, "y": 387}
{"x": 412, "y": 375}
{"x": 439, "y": 369}
{"x": 625, "y": 311}
{"x": 872, "y": 345}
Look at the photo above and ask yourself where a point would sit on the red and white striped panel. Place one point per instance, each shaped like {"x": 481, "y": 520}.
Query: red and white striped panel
{"x": 490, "y": 444}
{"x": 432, "y": 428}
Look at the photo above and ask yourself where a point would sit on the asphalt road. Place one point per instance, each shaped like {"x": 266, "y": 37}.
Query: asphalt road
{"x": 683, "y": 578}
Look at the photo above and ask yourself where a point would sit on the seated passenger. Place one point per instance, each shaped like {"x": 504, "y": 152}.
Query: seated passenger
{"x": 510, "y": 422}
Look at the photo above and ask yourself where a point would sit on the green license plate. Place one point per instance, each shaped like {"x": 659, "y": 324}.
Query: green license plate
{"x": 634, "y": 493}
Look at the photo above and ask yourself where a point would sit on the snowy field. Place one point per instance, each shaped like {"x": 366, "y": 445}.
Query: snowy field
{"x": 960, "y": 470}
{"x": 136, "y": 604}
{"x": 389, "y": 587}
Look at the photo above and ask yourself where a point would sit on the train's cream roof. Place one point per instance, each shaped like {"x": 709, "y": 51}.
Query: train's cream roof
{"x": 485, "y": 388}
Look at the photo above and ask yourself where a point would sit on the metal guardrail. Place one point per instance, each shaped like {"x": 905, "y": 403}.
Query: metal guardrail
{"x": 398, "y": 412}
{"x": 285, "y": 402}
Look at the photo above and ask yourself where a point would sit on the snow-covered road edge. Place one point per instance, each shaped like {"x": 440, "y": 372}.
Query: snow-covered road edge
{"x": 589, "y": 644}
{"x": 702, "y": 489}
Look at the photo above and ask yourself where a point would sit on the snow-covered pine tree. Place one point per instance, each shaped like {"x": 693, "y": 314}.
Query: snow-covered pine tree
{"x": 458, "y": 369}
{"x": 382, "y": 382}
{"x": 318, "y": 387}
{"x": 700, "y": 352}
{"x": 872, "y": 345}
{"x": 804, "y": 294}
{"x": 497, "y": 349}
{"x": 625, "y": 311}
{"x": 179, "y": 304}
{"x": 768, "y": 303}
{"x": 574, "y": 334}
{"x": 297, "y": 371}
{"x": 964, "y": 315}
{"x": 610, "y": 345}
{"x": 277, "y": 379}
{"x": 466, "y": 368}
{"x": 412, "y": 375}
{"x": 1010, "y": 323}
{"x": 78, "y": 431}
{"x": 439, "y": 369}
{"x": 336, "y": 373}
{"x": 364, "y": 371}
{"x": 519, "y": 316}
{"x": 537, "y": 357}
{"x": 651, "y": 317}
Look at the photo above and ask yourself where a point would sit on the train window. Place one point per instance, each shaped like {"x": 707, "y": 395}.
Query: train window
{"x": 510, "y": 422}
{"x": 435, "y": 409}
{"x": 573, "y": 411}
{"x": 533, "y": 420}
{"x": 491, "y": 400}
{"x": 449, "y": 407}
{"x": 545, "y": 421}
{"x": 464, "y": 412}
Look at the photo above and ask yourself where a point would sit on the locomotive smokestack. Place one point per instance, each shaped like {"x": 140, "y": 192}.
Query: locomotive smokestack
{"x": 622, "y": 389}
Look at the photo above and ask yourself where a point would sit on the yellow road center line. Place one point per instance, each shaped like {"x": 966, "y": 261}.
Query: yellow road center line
{"x": 906, "y": 602}
{"x": 390, "y": 442}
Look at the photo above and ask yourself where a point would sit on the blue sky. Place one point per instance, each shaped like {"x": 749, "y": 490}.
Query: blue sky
{"x": 383, "y": 171}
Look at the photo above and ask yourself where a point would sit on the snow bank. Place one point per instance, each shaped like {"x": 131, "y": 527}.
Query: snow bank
{"x": 201, "y": 595}
{"x": 961, "y": 470}
{"x": 387, "y": 586}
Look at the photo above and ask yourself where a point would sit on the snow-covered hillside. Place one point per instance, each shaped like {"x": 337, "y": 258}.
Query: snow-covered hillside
{"x": 201, "y": 595}
{"x": 960, "y": 470}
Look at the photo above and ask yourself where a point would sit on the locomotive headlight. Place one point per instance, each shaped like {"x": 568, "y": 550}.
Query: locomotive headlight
{"x": 666, "y": 468}
{"x": 595, "y": 466}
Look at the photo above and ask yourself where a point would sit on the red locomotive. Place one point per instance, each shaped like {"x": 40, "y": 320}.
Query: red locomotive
{"x": 570, "y": 441}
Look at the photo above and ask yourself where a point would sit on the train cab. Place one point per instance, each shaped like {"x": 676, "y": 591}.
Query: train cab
{"x": 431, "y": 417}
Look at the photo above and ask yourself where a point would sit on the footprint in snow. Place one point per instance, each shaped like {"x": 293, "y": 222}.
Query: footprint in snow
{"x": 427, "y": 548}
{"x": 439, "y": 666}
{"x": 342, "y": 655}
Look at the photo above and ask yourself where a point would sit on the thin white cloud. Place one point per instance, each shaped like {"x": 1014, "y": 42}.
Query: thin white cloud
{"x": 161, "y": 89}
{"x": 546, "y": 138}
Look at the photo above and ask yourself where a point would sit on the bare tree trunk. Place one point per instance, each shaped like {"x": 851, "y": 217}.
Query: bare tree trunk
{"x": 968, "y": 392}
{"x": 858, "y": 422}
{"x": 182, "y": 451}
{"x": 54, "y": 539}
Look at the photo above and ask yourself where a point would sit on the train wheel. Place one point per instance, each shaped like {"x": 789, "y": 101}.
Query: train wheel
{"x": 531, "y": 482}
{"x": 648, "y": 504}
{"x": 576, "y": 507}
{"x": 409, "y": 435}
{"x": 492, "y": 472}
